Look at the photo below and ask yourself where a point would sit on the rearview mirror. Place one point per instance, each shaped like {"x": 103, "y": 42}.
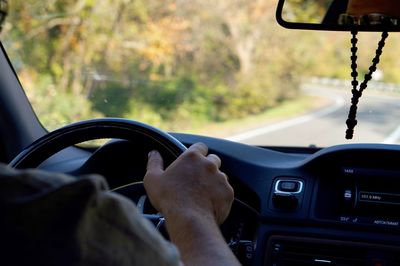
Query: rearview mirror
{"x": 340, "y": 15}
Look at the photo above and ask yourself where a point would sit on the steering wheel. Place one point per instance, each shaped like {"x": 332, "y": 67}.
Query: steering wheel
{"x": 142, "y": 137}
{"x": 138, "y": 136}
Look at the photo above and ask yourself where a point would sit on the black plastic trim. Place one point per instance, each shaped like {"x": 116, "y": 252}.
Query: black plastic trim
{"x": 329, "y": 27}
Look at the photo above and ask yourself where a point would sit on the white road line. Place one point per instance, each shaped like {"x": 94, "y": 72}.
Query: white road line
{"x": 393, "y": 137}
{"x": 339, "y": 102}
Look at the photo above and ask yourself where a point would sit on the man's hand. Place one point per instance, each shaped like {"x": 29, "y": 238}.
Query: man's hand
{"x": 195, "y": 197}
{"x": 193, "y": 184}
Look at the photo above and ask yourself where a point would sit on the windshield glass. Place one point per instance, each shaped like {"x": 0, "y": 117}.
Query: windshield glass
{"x": 216, "y": 68}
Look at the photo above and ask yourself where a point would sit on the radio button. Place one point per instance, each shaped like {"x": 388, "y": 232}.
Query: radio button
{"x": 348, "y": 195}
{"x": 289, "y": 186}
{"x": 284, "y": 185}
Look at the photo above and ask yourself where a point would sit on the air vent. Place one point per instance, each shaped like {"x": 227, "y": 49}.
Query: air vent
{"x": 288, "y": 251}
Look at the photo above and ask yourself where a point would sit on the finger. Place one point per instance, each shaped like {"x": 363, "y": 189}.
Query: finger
{"x": 199, "y": 147}
{"x": 225, "y": 177}
{"x": 214, "y": 159}
{"x": 155, "y": 162}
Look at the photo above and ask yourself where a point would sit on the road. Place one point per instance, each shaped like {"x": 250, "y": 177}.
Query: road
{"x": 378, "y": 122}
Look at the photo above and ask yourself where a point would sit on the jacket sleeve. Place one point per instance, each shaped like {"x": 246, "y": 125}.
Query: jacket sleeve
{"x": 56, "y": 219}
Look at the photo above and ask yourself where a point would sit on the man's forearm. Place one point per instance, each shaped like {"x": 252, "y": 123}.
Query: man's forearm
{"x": 199, "y": 240}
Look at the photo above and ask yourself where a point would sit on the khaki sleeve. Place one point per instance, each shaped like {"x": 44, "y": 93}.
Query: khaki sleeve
{"x": 113, "y": 228}
{"x": 56, "y": 219}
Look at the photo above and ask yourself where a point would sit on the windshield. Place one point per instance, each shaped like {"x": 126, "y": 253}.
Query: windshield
{"x": 216, "y": 68}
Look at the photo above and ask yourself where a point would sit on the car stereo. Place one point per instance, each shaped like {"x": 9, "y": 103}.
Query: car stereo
{"x": 360, "y": 196}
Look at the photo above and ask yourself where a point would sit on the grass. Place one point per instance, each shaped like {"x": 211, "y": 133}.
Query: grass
{"x": 286, "y": 110}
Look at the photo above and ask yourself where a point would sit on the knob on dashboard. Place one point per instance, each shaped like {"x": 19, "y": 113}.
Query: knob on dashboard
{"x": 286, "y": 193}
{"x": 285, "y": 201}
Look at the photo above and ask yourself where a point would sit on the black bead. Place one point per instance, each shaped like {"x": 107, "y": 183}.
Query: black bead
{"x": 349, "y": 134}
{"x": 353, "y": 110}
{"x": 351, "y": 123}
{"x": 375, "y": 60}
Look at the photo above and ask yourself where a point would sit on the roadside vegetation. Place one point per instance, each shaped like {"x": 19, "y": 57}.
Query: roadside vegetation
{"x": 173, "y": 64}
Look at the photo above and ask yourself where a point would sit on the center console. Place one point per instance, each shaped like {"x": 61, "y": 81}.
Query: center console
{"x": 346, "y": 200}
{"x": 360, "y": 196}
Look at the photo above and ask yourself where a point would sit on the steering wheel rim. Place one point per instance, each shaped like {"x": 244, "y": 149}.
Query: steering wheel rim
{"x": 92, "y": 129}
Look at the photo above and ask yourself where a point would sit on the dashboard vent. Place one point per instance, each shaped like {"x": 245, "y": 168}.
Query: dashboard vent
{"x": 288, "y": 251}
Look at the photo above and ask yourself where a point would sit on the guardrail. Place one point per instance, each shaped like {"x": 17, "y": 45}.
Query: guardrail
{"x": 346, "y": 84}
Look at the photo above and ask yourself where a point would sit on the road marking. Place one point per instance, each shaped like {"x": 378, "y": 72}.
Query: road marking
{"x": 339, "y": 102}
{"x": 393, "y": 137}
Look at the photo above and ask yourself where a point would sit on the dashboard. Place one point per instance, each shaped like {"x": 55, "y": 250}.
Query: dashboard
{"x": 335, "y": 206}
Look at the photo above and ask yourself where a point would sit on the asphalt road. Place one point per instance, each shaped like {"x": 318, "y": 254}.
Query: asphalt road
{"x": 378, "y": 122}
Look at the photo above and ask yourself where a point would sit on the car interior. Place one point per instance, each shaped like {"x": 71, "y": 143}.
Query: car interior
{"x": 334, "y": 205}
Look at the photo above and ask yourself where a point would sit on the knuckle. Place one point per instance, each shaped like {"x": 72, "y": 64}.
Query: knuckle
{"x": 215, "y": 158}
{"x": 146, "y": 181}
{"x": 157, "y": 160}
{"x": 231, "y": 192}
{"x": 150, "y": 175}
{"x": 228, "y": 192}
{"x": 224, "y": 176}
{"x": 147, "y": 178}
{"x": 210, "y": 166}
{"x": 191, "y": 155}
{"x": 201, "y": 145}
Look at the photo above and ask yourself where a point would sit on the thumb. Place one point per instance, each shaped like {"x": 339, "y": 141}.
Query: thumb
{"x": 155, "y": 162}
